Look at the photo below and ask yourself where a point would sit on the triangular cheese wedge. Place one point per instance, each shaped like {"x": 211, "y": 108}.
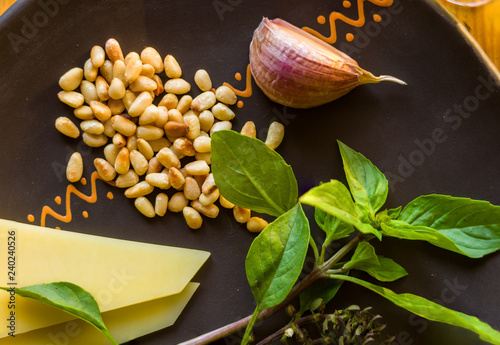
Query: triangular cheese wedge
{"x": 124, "y": 324}
{"x": 117, "y": 273}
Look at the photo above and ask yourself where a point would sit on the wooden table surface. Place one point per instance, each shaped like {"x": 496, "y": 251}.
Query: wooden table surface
{"x": 483, "y": 23}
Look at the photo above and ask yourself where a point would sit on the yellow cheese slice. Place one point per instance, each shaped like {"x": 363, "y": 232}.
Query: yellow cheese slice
{"x": 124, "y": 324}
{"x": 117, "y": 273}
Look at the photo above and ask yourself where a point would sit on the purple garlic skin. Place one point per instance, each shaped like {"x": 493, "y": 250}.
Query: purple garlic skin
{"x": 298, "y": 70}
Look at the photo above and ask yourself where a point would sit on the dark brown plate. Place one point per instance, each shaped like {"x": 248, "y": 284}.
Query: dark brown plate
{"x": 439, "y": 134}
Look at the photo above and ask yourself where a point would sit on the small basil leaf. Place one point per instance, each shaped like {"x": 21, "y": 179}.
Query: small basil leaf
{"x": 394, "y": 212}
{"x": 251, "y": 175}
{"x": 364, "y": 258}
{"x": 325, "y": 289}
{"x": 369, "y": 187}
{"x": 334, "y": 198}
{"x": 70, "y": 298}
{"x": 332, "y": 226}
{"x": 430, "y": 310}
{"x": 275, "y": 258}
{"x": 387, "y": 271}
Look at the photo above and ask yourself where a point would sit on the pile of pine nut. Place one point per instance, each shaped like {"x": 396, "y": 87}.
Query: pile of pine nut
{"x": 115, "y": 102}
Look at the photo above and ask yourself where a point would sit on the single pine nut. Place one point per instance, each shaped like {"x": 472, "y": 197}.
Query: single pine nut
{"x": 249, "y": 129}
{"x": 106, "y": 71}
{"x": 139, "y": 162}
{"x": 132, "y": 143}
{"x": 184, "y": 103}
{"x": 141, "y": 189}
{"x": 119, "y": 71}
{"x": 185, "y": 146}
{"x": 142, "y": 83}
{"x": 178, "y": 86}
{"x": 84, "y": 112}
{"x": 159, "y": 85}
{"x": 225, "y": 203}
{"x": 221, "y": 125}
{"x": 92, "y": 126}
{"x": 101, "y": 110}
{"x": 116, "y": 89}
{"x": 225, "y": 95}
{"x": 151, "y": 56}
{"x": 209, "y": 184}
{"x": 203, "y": 156}
{"x": 158, "y": 144}
{"x": 144, "y": 206}
{"x": 129, "y": 179}
{"x": 132, "y": 56}
{"x": 74, "y": 169}
{"x": 275, "y": 135}
{"x": 176, "y": 178}
{"x": 170, "y": 101}
{"x": 123, "y": 125}
{"x": 114, "y": 50}
{"x": 97, "y": 56}
{"x": 197, "y": 168}
{"x": 159, "y": 180}
{"x": 122, "y": 162}
{"x": 256, "y": 224}
{"x": 149, "y": 132}
{"x": 104, "y": 169}
{"x": 191, "y": 188}
{"x": 132, "y": 70}
{"x": 202, "y": 80}
{"x": 202, "y": 144}
{"x": 102, "y": 88}
{"x": 67, "y": 127}
{"x": 206, "y": 120}
{"x": 145, "y": 148}
{"x": 109, "y": 131}
{"x": 149, "y": 115}
{"x": 210, "y": 211}
{"x": 174, "y": 129}
{"x": 222, "y": 112}
{"x": 177, "y": 202}
{"x": 175, "y": 115}
{"x": 90, "y": 72}
{"x": 110, "y": 153}
{"x": 128, "y": 99}
{"x": 88, "y": 91}
{"x": 242, "y": 215}
{"x": 161, "y": 204}
{"x": 192, "y": 217}
{"x": 119, "y": 140}
{"x": 172, "y": 68}
{"x": 71, "y": 79}
{"x": 72, "y": 98}
{"x": 147, "y": 71}
{"x": 193, "y": 123}
{"x": 207, "y": 199}
{"x": 142, "y": 101}
{"x": 94, "y": 140}
{"x": 116, "y": 106}
{"x": 168, "y": 158}
{"x": 154, "y": 166}
{"x": 162, "y": 117}
{"x": 203, "y": 101}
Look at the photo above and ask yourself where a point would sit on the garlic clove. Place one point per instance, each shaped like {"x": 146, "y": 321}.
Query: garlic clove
{"x": 296, "y": 69}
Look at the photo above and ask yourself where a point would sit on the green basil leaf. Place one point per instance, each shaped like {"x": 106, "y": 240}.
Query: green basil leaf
{"x": 364, "y": 258}
{"x": 70, "y": 298}
{"x": 334, "y": 198}
{"x": 251, "y": 175}
{"x": 325, "y": 289}
{"x": 387, "y": 271}
{"x": 369, "y": 187}
{"x": 466, "y": 226}
{"x": 275, "y": 258}
{"x": 430, "y": 310}
{"x": 333, "y": 227}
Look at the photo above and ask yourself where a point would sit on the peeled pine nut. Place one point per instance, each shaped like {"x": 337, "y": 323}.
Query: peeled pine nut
{"x": 101, "y": 110}
{"x": 116, "y": 106}
{"x": 185, "y": 146}
{"x": 84, "y": 112}
{"x": 225, "y": 203}
{"x": 72, "y": 98}
{"x": 129, "y": 179}
{"x": 132, "y": 142}
{"x": 149, "y": 132}
{"x": 123, "y": 125}
{"x": 177, "y": 202}
{"x": 110, "y": 153}
{"x": 145, "y": 148}
{"x": 170, "y": 101}
{"x": 210, "y": 211}
{"x": 176, "y": 178}
{"x": 139, "y": 162}
{"x": 207, "y": 199}
{"x": 184, "y": 103}
{"x": 275, "y": 135}
{"x": 225, "y": 95}
{"x": 174, "y": 129}
{"x": 122, "y": 162}
{"x": 132, "y": 70}
{"x": 159, "y": 85}
{"x": 119, "y": 71}
{"x": 116, "y": 89}
{"x": 222, "y": 112}
{"x": 177, "y": 86}
{"x": 143, "y": 83}
{"x": 94, "y": 140}
{"x": 192, "y": 217}
{"x": 88, "y": 91}
{"x": 147, "y": 71}
{"x": 144, "y": 206}
{"x": 149, "y": 115}
{"x": 242, "y": 215}
{"x": 141, "y": 189}
{"x": 220, "y": 126}
{"x": 202, "y": 144}
{"x": 202, "y": 80}
{"x": 249, "y": 129}
{"x": 197, "y": 168}
{"x": 158, "y": 144}
{"x": 206, "y": 120}
{"x": 128, "y": 100}
{"x": 90, "y": 71}
{"x": 191, "y": 188}
{"x": 119, "y": 140}
{"x": 67, "y": 127}
{"x": 161, "y": 204}
{"x": 142, "y": 101}
{"x": 203, "y": 101}
{"x": 102, "y": 88}
{"x": 92, "y": 126}
{"x": 97, "y": 56}
{"x": 71, "y": 79}
{"x": 149, "y": 55}
{"x": 162, "y": 117}
{"x": 203, "y": 156}
{"x": 193, "y": 123}
{"x": 172, "y": 68}
{"x": 104, "y": 169}
{"x": 256, "y": 224}
{"x": 74, "y": 169}
{"x": 109, "y": 131}
{"x": 208, "y": 185}
{"x": 168, "y": 158}
{"x": 106, "y": 70}
{"x": 114, "y": 50}
{"x": 159, "y": 180}
{"x": 154, "y": 166}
